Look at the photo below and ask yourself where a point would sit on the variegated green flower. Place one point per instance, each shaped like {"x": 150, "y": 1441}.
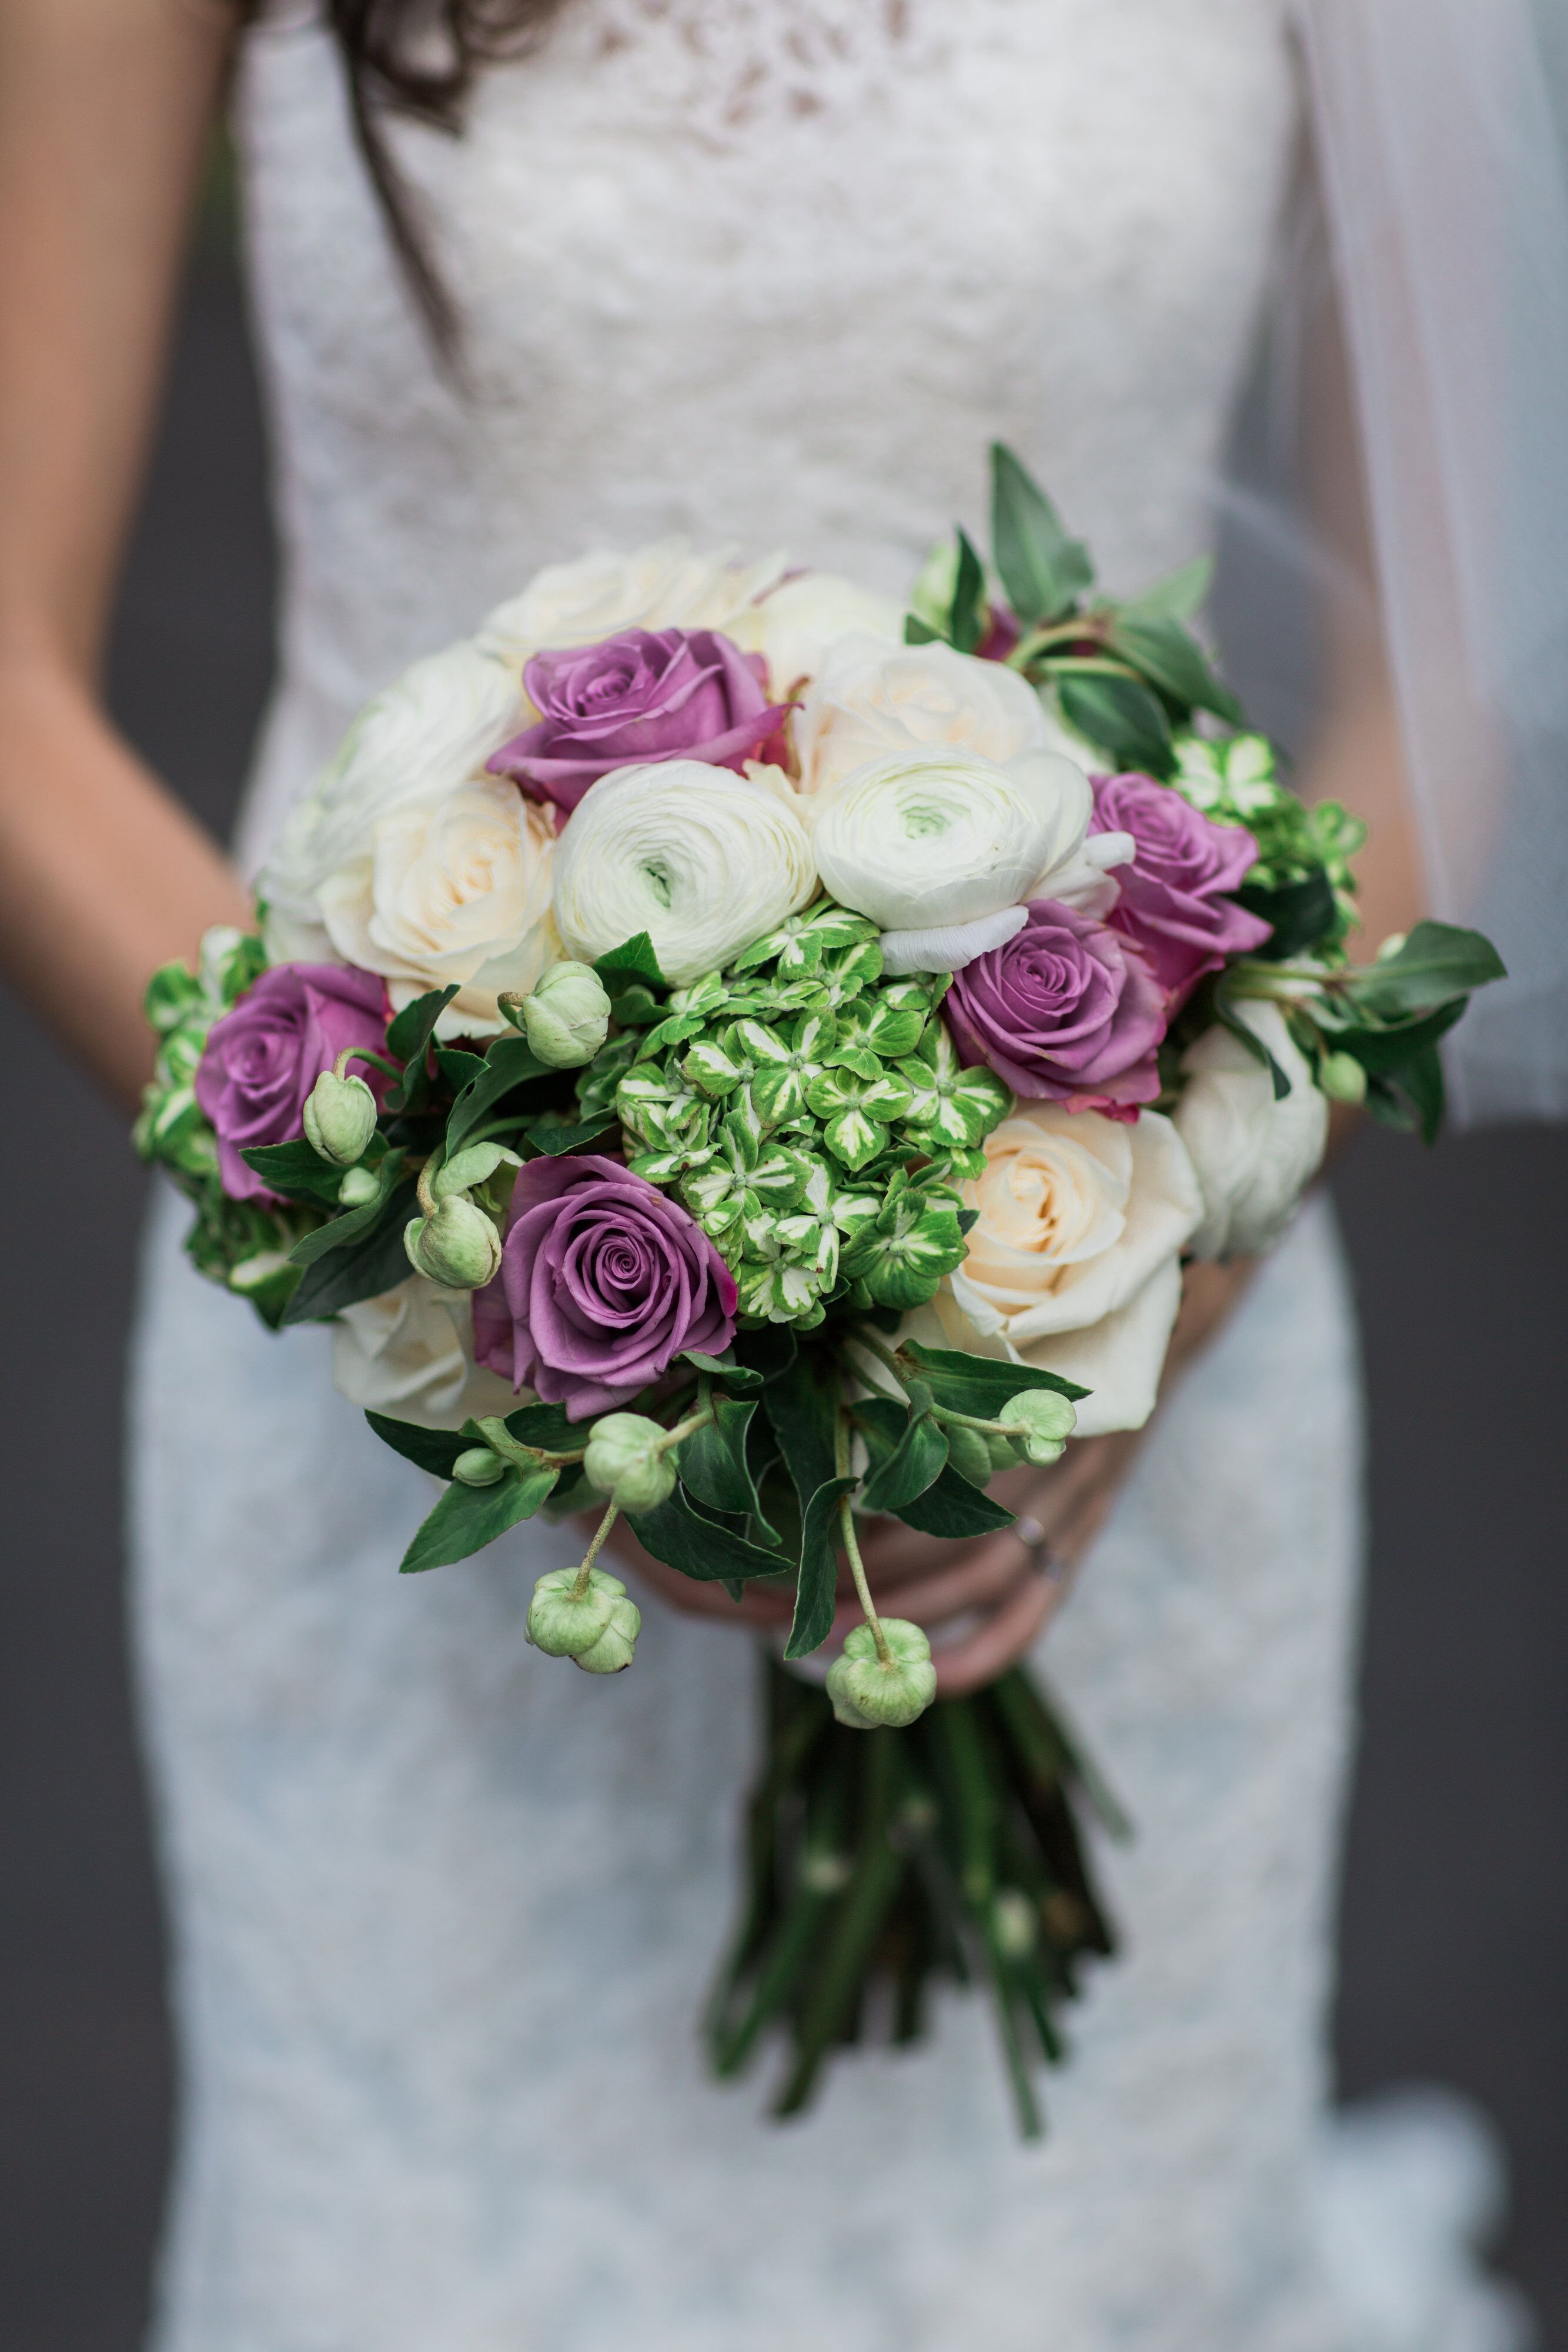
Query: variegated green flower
{"x": 857, "y": 1109}
{"x": 660, "y": 1109}
{"x": 955, "y": 1107}
{"x": 904, "y": 1253}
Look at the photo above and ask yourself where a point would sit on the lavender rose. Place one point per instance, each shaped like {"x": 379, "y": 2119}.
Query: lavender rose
{"x": 1174, "y": 901}
{"x": 647, "y": 694}
{"x": 1064, "y": 1011}
{"x": 603, "y": 1282}
{"x": 263, "y": 1058}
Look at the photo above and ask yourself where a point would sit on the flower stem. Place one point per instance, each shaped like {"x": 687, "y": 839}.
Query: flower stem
{"x": 360, "y": 1054}
{"x": 875, "y": 1345}
{"x": 592, "y": 1554}
{"x": 851, "y": 1542}
{"x": 425, "y": 1196}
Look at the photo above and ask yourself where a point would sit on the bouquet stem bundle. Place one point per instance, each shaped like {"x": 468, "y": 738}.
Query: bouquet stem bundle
{"x": 880, "y": 1862}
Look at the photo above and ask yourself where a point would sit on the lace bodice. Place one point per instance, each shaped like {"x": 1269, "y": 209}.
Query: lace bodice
{"x": 772, "y": 271}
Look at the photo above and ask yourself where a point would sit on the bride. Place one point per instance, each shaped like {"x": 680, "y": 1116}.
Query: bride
{"x": 531, "y": 279}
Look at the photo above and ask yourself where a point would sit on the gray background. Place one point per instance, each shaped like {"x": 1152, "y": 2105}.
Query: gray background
{"x": 1456, "y": 1910}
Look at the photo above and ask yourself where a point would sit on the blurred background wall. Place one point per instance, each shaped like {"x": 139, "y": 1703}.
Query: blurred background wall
{"x": 1456, "y": 1906}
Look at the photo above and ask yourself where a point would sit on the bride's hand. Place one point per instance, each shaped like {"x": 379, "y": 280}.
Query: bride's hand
{"x": 994, "y": 1597}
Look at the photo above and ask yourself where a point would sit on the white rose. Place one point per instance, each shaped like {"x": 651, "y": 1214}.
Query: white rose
{"x": 1254, "y": 1156}
{"x": 795, "y": 624}
{"x": 669, "y": 586}
{"x": 929, "y": 838}
{"x": 703, "y": 860}
{"x": 411, "y": 1353}
{"x": 431, "y": 731}
{"x": 455, "y": 888}
{"x": 870, "y": 701}
{"x": 1074, "y": 1262}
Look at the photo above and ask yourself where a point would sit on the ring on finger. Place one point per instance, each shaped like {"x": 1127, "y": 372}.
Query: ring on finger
{"x": 1037, "y": 1544}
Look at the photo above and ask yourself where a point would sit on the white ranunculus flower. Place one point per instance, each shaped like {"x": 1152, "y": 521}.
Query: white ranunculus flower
{"x": 703, "y": 860}
{"x": 411, "y": 1353}
{"x": 452, "y": 888}
{"x": 1074, "y": 1262}
{"x": 431, "y": 731}
{"x": 870, "y": 700}
{"x": 667, "y": 585}
{"x": 796, "y": 625}
{"x": 924, "y": 839}
{"x": 1254, "y": 1156}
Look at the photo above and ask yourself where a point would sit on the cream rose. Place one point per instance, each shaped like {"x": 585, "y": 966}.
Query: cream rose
{"x": 667, "y": 585}
{"x": 1074, "y": 1262}
{"x": 929, "y": 838}
{"x": 1254, "y": 1156}
{"x": 455, "y": 889}
{"x": 870, "y": 700}
{"x": 411, "y": 1352}
{"x": 796, "y": 625}
{"x": 431, "y": 731}
{"x": 703, "y": 860}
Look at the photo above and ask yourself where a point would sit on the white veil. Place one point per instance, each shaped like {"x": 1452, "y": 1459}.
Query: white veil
{"x": 1440, "y": 138}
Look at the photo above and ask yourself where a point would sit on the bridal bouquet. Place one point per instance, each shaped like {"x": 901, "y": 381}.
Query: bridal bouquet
{"x": 725, "y": 1051}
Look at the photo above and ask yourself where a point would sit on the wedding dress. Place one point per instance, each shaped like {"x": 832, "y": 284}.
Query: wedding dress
{"x": 443, "y": 1911}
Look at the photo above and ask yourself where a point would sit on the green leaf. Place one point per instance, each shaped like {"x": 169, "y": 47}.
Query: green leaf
{"x": 967, "y": 618}
{"x": 917, "y": 1462}
{"x": 458, "y": 1068}
{"x": 953, "y": 1508}
{"x": 434, "y": 1450}
{"x": 1384, "y": 1052}
{"x": 769, "y": 1352}
{"x": 802, "y": 1405}
{"x": 1422, "y": 1080}
{"x": 980, "y": 1385}
{"x": 295, "y": 1170}
{"x": 1160, "y": 650}
{"x": 364, "y": 1270}
{"x": 632, "y": 960}
{"x": 1120, "y": 716}
{"x": 1043, "y": 571}
{"x": 1437, "y": 963}
{"x": 712, "y": 1461}
{"x": 1302, "y": 912}
{"x": 554, "y": 1141}
{"x": 817, "y": 1589}
{"x": 339, "y": 1232}
{"x": 685, "y": 1539}
{"x": 1178, "y": 595}
{"x": 507, "y": 1064}
{"x": 410, "y": 1031}
{"x": 466, "y": 1518}
{"x": 917, "y": 632}
{"x": 737, "y": 1376}
{"x": 545, "y": 1425}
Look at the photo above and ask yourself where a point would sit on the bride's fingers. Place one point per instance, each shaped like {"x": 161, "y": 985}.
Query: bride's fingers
{"x": 981, "y": 1581}
{"x": 1001, "y": 1640}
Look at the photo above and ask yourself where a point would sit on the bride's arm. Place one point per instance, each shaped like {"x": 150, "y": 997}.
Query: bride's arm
{"x": 105, "y": 106}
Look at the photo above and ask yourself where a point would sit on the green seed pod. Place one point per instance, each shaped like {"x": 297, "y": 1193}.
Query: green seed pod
{"x": 622, "y": 1461}
{"x": 615, "y": 1647}
{"x": 968, "y": 1453}
{"x": 1341, "y": 1078}
{"x": 1046, "y": 1422}
{"x": 567, "y": 1018}
{"x": 564, "y": 1623}
{"x": 359, "y": 1188}
{"x": 1004, "y": 1454}
{"x": 479, "y": 1467}
{"x": 866, "y": 1693}
{"x": 457, "y": 1247}
{"x": 339, "y": 1118}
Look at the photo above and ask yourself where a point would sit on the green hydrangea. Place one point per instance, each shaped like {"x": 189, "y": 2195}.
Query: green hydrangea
{"x": 811, "y": 1115}
{"x": 1236, "y": 781}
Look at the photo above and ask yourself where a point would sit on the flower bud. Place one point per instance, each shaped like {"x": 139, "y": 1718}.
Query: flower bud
{"x": 1343, "y": 1078}
{"x": 1014, "y": 1924}
{"x": 1040, "y": 1423}
{"x": 339, "y": 1118}
{"x": 567, "y": 1018}
{"x": 457, "y": 1247}
{"x": 867, "y": 1692}
{"x": 969, "y": 1454}
{"x": 479, "y": 1467}
{"x": 616, "y": 1646}
{"x": 563, "y": 1621}
{"x": 1004, "y": 1454}
{"x": 359, "y": 1188}
{"x": 622, "y": 1461}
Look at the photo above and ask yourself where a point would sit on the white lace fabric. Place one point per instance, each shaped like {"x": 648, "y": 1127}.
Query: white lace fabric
{"x": 444, "y": 1910}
